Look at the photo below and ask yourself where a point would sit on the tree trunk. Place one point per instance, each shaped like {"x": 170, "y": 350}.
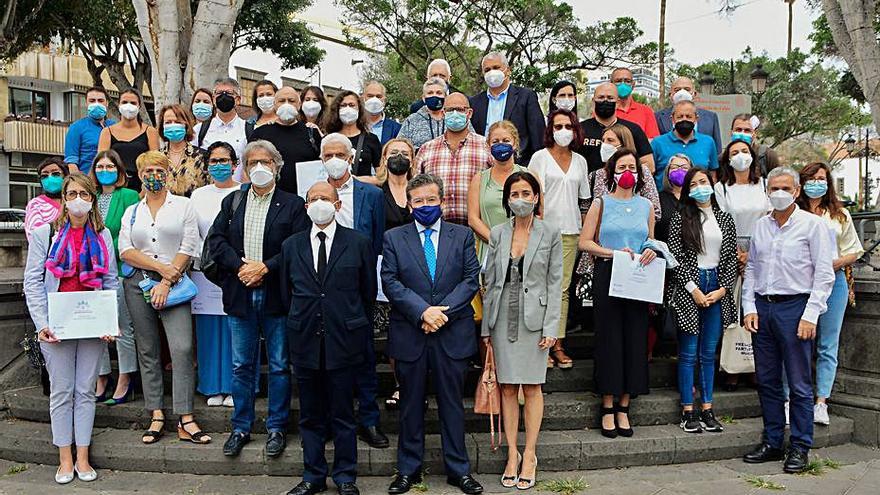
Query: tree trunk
{"x": 790, "y": 19}
{"x": 185, "y": 52}
{"x": 662, "y": 55}
{"x": 851, "y": 23}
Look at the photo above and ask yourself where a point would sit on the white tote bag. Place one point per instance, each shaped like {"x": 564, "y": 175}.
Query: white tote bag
{"x": 736, "y": 346}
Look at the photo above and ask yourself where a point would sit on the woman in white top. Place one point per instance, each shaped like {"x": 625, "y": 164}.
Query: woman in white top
{"x": 819, "y": 197}
{"x": 563, "y": 176}
{"x": 741, "y": 192}
{"x": 159, "y": 236}
{"x": 213, "y": 333}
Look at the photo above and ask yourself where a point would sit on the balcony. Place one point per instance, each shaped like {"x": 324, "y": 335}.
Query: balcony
{"x": 33, "y": 137}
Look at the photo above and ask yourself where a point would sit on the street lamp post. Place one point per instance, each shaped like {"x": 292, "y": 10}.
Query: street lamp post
{"x": 759, "y": 80}
{"x": 866, "y": 205}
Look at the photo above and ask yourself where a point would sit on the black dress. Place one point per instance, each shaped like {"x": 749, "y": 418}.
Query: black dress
{"x": 129, "y": 151}
{"x": 669, "y": 205}
{"x": 395, "y": 216}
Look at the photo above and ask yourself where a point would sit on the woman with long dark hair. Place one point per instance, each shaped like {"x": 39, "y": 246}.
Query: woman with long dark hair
{"x": 347, "y": 116}
{"x": 702, "y": 238}
{"x": 130, "y": 137}
{"x": 818, "y": 196}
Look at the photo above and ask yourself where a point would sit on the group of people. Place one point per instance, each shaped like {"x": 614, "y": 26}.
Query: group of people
{"x": 467, "y": 198}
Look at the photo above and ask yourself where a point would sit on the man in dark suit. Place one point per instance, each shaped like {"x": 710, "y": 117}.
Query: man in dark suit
{"x": 683, "y": 89}
{"x": 245, "y": 242}
{"x": 362, "y": 208}
{"x": 329, "y": 278}
{"x": 429, "y": 274}
{"x": 375, "y": 99}
{"x": 504, "y": 101}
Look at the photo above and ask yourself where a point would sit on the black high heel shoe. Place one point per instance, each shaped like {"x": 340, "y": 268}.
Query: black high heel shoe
{"x": 612, "y": 433}
{"x": 127, "y": 397}
{"x": 108, "y": 387}
{"x": 624, "y": 432}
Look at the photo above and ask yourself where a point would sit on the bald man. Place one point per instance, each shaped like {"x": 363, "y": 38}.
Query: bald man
{"x": 455, "y": 156}
{"x": 683, "y": 89}
{"x": 374, "y": 102}
{"x": 604, "y": 104}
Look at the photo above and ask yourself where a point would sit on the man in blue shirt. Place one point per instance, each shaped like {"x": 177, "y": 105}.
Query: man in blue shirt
{"x": 683, "y": 89}
{"x": 683, "y": 138}
{"x": 81, "y": 142}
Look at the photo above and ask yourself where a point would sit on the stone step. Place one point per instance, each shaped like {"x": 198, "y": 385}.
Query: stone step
{"x": 24, "y": 441}
{"x": 562, "y": 411}
{"x": 662, "y": 374}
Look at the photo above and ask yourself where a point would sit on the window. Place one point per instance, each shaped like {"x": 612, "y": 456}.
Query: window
{"x": 24, "y": 102}
{"x": 75, "y": 106}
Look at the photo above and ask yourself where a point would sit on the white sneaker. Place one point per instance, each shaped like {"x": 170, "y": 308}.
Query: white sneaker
{"x": 215, "y": 400}
{"x": 786, "y": 413}
{"x": 820, "y": 414}
{"x": 228, "y": 401}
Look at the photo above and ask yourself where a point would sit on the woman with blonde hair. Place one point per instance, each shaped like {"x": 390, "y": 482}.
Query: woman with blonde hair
{"x": 159, "y": 236}
{"x": 72, "y": 254}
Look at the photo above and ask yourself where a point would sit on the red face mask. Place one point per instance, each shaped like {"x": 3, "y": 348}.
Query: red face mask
{"x": 626, "y": 179}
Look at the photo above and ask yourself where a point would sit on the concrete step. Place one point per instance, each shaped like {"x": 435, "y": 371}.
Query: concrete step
{"x": 24, "y": 441}
{"x": 562, "y": 411}
{"x": 662, "y": 374}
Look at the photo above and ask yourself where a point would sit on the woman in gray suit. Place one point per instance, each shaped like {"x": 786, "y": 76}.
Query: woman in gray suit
{"x": 521, "y": 308}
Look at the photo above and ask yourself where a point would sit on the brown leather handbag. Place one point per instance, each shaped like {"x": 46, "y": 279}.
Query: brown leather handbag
{"x": 487, "y": 399}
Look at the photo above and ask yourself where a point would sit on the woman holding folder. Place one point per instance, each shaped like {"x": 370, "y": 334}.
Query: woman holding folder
{"x": 619, "y": 221}
{"x": 72, "y": 254}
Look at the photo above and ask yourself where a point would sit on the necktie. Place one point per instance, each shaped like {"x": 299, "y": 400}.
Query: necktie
{"x": 430, "y": 253}
{"x": 322, "y": 255}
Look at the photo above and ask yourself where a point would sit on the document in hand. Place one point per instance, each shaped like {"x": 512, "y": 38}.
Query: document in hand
{"x": 83, "y": 315}
{"x": 632, "y": 280}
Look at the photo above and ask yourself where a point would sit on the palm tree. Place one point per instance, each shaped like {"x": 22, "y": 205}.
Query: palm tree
{"x": 790, "y": 18}
{"x": 662, "y": 57}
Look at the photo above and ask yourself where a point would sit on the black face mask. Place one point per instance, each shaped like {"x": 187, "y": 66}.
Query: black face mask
{"x": 605, "y": 109}
{"x": 225, "y": 102}
{"x": 684, "y": 128}
{"x": 398, "y": 165}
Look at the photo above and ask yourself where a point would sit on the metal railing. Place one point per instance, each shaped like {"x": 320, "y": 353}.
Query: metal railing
{"x": 34, "y": 137}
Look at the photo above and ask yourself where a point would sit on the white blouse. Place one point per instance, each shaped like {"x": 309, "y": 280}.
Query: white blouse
{"x": 174, "y": 230}
{"x": 711, "y": 255}
{"x": 846, "y": 239}
{"x": 206, "y": 201}
{"x": 746, "y": 203}
{"x": 562, "y": 190}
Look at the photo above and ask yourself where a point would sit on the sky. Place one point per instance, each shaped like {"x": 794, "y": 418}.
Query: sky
{"x": 694, "y": 30}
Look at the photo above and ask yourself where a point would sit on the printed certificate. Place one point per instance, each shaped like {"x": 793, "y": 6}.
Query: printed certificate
{"x": 83, "y": 315}
{"x": 631, "y": 280}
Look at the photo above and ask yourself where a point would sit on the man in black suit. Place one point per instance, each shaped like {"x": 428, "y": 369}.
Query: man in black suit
{"x": 505, "y": 101}
{"x": 429, "y": 274}
{"x": 329, "y": 278}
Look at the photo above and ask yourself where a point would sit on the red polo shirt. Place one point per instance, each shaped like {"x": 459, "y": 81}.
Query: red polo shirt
{"x": 642, "y": 115}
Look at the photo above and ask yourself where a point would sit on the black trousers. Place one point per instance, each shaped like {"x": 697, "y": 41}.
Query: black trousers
{"x": 621, "y": 326}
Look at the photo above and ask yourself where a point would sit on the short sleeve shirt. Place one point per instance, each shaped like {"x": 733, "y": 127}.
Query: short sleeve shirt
{"x": 593, "y": 141}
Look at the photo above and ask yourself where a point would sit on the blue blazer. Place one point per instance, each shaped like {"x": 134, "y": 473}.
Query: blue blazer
{"x": 390, "y": 129}
{"x": 369, "y": 213}
{"x": 523, "y": 110}
{"x": 407, "y": 283}
{"x": 286, "y": 216}
{"x": 707, "y": 123}
{"x": 338, "y": 309}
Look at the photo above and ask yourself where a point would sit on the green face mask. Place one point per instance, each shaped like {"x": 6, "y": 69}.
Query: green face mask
{"x": 52, "y": 184}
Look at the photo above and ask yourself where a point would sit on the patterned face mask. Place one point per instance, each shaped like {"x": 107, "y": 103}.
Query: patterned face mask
{"x": 155, "y": 182}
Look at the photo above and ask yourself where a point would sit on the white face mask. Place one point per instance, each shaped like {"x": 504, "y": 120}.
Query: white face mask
{"x": 494, "y": 78}
{"x": 606, "y": 150}
{"x": 374, "y": 105}
{"x": 563, "y": 137}
{"x": 286, "y": 112}
{"x": 321, "y": 211}
{"x": 336, "y": 167}
{"x": 265, "y": 103}
{"x": 79, "y": 207}
{"x": 566, "y": 104}
{"x": 311, "y": 108}
{"x": 741, "y": 162}
{"x": 682, "y": 95}
{"x": 129, "y": 110}
{"x": 781, "y": 200}
{"x": 348, "y": 114}
{"x": 261, "y": 176}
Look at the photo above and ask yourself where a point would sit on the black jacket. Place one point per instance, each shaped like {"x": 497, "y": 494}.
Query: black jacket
{"x": 523, "y": 110}
{"x": 286, "y": 216}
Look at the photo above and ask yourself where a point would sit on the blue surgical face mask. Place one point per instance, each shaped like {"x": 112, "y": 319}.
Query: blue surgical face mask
{"x": 741, "y": 136}
{"x": 97, "y": 111}
{"x": 202, "y": 110}
{"x": 427, "y": 215}
{"x": 624, "y": 89}
{"x": 107, "y": 177}
{"x": 701, "y": 194}
{"x": 815, "y": 188}
{"x": 174, "y": 132}
{"x": 221, "y": 172}
{"x": 52, "y": 183}
{"x": 455, "y": 121}
{"x": 502, "y": 151}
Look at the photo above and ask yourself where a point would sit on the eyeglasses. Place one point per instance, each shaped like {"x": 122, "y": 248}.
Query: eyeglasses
{"x": 258, "y": 162}
{"x": 398, "y": 153}
{"x": 71, "y": 195}
{"x": 218, "y": 161}
{"x": 50, "y": 174}
{"x": 559, "y": 127}
{"x": 456, "y": 109}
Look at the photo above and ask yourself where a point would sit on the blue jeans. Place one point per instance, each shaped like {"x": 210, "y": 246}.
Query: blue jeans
{"x": 706, "y": 342}
{"x": 828, "y": 336}
{"x": 245, "y": 356}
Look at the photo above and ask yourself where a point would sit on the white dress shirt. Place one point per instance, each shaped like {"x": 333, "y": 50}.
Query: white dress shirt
{"x": 435, "y": 235}
{"x": 791, "y": 259}
{"x": 330, "y": 230}
{"x": 232, "y": 132}
{"x": 345, "y": 215}
{"x": 562, "y": 190}
{"x": 174, "y": 230}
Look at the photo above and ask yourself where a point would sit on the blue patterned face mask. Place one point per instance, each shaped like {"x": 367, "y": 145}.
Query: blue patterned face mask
{"x": 155, "y": 182}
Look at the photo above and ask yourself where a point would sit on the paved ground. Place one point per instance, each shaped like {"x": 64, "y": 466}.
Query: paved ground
{"x": 859, "y": 474}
